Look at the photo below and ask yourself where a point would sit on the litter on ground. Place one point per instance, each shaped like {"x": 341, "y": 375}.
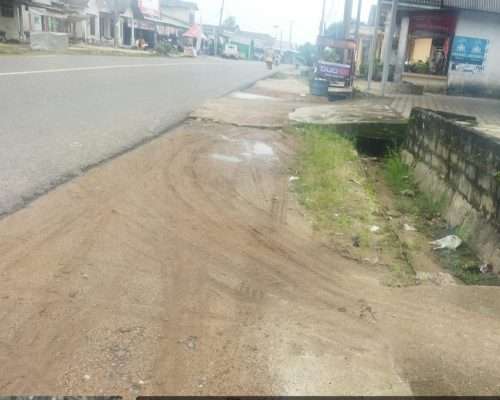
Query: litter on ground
{"x": 451, "y": 242}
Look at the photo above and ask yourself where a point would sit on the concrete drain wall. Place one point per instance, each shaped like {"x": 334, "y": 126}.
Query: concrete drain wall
{"x": 462, "y": 164}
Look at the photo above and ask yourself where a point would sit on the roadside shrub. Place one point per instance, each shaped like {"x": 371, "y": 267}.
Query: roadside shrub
{"x": 165, "y": 48}
{"x": 419, "y": 67}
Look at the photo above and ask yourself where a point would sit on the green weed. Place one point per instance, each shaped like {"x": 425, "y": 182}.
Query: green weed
{"x": 462, "y": 263}
{"x": 410, "y": 200}
{"x": 330, "y": 180}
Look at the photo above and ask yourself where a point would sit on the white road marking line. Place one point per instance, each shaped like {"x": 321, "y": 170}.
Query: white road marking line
{"x": 101, "y": 67}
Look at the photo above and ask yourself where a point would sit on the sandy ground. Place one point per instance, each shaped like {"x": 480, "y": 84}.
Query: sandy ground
{"x": 187, "y": 267}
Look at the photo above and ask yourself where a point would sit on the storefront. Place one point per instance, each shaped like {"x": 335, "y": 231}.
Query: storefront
{"x": 429, "y": 41}
{"x": 42, "y": 20}
{"x": 145, "y": 30}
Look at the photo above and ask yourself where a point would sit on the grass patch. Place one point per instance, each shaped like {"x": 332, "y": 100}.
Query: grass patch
{"x": 332, "y": 182}
{"x": 410, "y": 200}
{"x": 334, "y": 186}
{"x": 464, "y": 265}
{"x": 12, "y": 49}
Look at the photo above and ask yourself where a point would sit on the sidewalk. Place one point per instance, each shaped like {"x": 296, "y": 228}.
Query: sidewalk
{"x": 487, "y": 111}
{"x": 105, "y": 50}
{"x": 24, "y": 49}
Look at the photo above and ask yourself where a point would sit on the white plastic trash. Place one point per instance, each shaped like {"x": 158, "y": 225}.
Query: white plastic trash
{"x": 451, "y": 242}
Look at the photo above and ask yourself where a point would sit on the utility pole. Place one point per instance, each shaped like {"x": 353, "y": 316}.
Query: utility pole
{"x": 347, "y": 26}
{"x": 290, "y": 37}
{"x": 217, "y": 35}
{"x": 347, "y": 18}
{"x": 389, "y": 32}
{"x": 322, "y": 23}
{"x": 356, "y": 35}
{"x": 373, "y": 44}
{"x": 116, "y": 22}
{"x": 358, "y": 20}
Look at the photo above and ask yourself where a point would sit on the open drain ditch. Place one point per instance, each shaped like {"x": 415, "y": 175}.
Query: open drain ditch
{"x": 387, "y": 141}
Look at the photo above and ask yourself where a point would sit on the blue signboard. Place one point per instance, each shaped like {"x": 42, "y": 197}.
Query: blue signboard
{"x": 467, "y": 50}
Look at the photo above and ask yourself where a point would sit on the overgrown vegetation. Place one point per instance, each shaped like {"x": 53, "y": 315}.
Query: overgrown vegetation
{"x": 400, "y": 178}
{"x": 308, "y": 54}
{"x": 330, "y": 179}
{"x": 333, "y": 185}
{"x": 13, "y": 49}
{"x": 462, "y": 263}
{"x": 165, "y": 48}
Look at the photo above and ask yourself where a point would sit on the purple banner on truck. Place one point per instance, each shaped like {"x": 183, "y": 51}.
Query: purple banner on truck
{"x": 333, "y": 70}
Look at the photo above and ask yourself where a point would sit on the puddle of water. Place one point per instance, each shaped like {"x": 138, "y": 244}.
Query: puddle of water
{"x": 262, "y": 149}
{"x": 257, "y": 149}
{"x": 222, "y": 157}
{"x": 250, "y": 96}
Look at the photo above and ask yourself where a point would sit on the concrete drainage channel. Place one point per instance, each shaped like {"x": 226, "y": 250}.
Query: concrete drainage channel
{"x": 457, "y": 168}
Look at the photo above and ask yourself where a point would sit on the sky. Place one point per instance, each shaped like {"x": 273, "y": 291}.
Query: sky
{"x": 264, "y": 15}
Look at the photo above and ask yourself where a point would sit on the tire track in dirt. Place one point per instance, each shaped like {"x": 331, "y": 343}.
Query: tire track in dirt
{"x": 169, "y": 272}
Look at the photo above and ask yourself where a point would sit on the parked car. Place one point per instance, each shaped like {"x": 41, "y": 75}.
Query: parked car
{"x": 231, "y": 51}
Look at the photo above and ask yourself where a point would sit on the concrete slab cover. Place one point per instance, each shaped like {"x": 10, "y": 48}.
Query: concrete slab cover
{"x": 347, "y": 113}
{"x": 234, "y": 111}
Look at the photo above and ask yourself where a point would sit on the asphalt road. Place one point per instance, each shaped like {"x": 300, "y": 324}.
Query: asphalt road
{"x": 61, "y": 114}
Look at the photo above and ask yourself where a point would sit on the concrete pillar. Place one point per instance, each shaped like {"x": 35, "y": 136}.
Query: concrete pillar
{"x": 347, "y": 18}
{"x": 20, "y": 26}
{"x": 402, "y": 48}
{"x": 373, "y": 46}
{"x": 359, "y": 56}
{"x": 389, "y": 33}
{"x": 132, "y": 32}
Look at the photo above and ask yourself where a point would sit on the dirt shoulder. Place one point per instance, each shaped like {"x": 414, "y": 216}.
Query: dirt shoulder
{"x": 188, "y": 267}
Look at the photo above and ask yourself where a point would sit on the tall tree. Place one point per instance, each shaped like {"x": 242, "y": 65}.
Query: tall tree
{"x": 335, "y": 30}
{"x": 308, "y": 54}
{"x": 230, "y": 24}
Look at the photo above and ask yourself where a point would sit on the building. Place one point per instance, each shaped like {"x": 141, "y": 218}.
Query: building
{"x": 210, "y": 32}
{"x": 251, "y": 45}
{"x": 184, "y": 11}
{"x": 18, "y": 18}
{"x": 97, "y": 21}
{"x": 447, "y": 45}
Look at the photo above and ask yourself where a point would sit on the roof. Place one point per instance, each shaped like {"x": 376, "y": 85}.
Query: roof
{"x": 254, "y": 35}
{"x": 260, "y": 40}
{"x": 180, "y": 4}
{"x": 479, "y": 5}
{"x": 195, "y": 32}
{"x": 177, "y": 23}
{"x": 474, "y": 5}
{"x": 211, "y": 30}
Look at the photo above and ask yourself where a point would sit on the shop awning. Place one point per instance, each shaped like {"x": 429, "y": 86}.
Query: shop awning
{"x": 195, "y": 32}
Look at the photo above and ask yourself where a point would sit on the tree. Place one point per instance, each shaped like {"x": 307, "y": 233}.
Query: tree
{"x": 308, "y": 54}
{"x": 335, "y": 30}
{"x": 230, "y": 24}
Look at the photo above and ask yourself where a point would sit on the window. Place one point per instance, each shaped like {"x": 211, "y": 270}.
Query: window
{"x": 92, "y": 25}
{"x": 7, "y": 9}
